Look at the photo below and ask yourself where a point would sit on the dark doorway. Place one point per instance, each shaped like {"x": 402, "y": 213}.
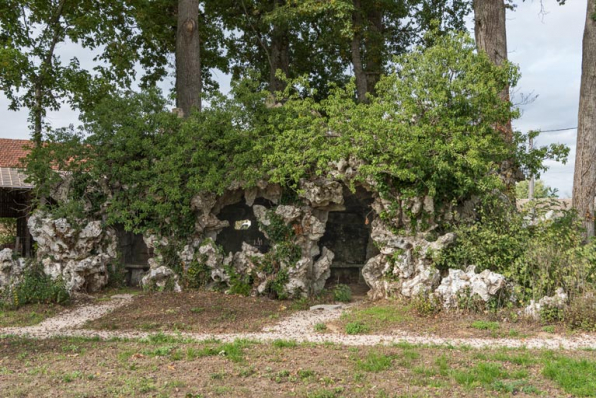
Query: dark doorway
{"x": 347, "y": 235}
{"x": 243, "y": 227}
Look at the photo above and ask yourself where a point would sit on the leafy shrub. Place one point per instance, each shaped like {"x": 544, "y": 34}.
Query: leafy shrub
{"x": 425, "y": 304}
{"x": 537, "y": 253}
{"x": 35, "y": 287}
{"x": 356, "y": 328}
{"x": 342, "y": 293}
{"x": 196, "y": 275}
{"x": 581, "y": 312}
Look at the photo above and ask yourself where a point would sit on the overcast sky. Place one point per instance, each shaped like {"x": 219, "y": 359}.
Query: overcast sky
{"x": 547, "y": 48}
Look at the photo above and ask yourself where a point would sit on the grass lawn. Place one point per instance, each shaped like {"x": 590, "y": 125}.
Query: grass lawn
{"x": 389, "y": 316}
{"x": 172, "y": 367}
{"x": 28, "y": 315}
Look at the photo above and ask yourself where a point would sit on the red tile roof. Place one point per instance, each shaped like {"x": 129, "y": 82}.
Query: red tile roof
{"x": 11, "y": 151}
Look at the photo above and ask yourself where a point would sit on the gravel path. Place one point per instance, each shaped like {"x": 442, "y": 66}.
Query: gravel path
{"x": 299, "y": 327}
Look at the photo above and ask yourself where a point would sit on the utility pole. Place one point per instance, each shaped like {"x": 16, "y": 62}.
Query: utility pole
{"x": 531, "y": 183}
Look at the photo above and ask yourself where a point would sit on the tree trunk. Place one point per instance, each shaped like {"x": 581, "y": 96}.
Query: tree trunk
{"x": 584, "y": 179}
{"x": 279, "y": 53}
{"x": 490, "y": 32}
{"x": 188, "y": 57}
{"x": 361, "y": 81}
{"x": 374, "y": 48}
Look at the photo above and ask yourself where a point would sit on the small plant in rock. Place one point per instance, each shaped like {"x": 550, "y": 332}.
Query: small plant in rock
{"x": 35, "y": 287}
{"x": 425, "y": 304}
{"x": 320, "y": 327}
{"x": 356, "y": 328}
{"x": 342, "y": 293}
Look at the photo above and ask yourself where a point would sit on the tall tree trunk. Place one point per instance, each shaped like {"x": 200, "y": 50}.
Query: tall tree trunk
{"x": 584, "y": 179}
{"x": 279, "y": 53}
{"x": 374, "y": 48}
{"x": 188, "y": 57}
{"x": 360, "y": 75}
{"x": 490, "y": 31}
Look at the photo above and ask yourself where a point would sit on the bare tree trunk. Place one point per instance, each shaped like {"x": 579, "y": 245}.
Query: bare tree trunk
{"x": 188, "y": 57}
{"x": 280, "y": 55}
{"x": 374, "y": 49}
{"x": 361, "y": 82}
{"x": 490, "y": 31}
{"x": 584, "y": 179}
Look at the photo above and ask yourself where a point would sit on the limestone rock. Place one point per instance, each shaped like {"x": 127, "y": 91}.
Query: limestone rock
{"x": 484, "y": 285}
{"x": 322, "y": 192}
{"x": 79, "y": 256}
{"x": 559, "y": 300}
{"x": 321, "y": 271}
{"x": 288, "y": 213}
{"x": 161, "y": 278}
{"x": 10, "y": 268}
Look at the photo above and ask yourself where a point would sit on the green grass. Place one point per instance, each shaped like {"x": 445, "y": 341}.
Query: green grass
{"x": 356, "y": 328}
{"x": 284, "y": 343}
{"x": 485, "y": 325}
{"x": 375, "y": 362}
{"x": 575, "y": 376}
{"x": 320, "y": 327}
{"x": 484, "y": 374}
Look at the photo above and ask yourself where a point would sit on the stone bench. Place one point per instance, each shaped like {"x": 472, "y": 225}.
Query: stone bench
{"x": 134, "y": 273}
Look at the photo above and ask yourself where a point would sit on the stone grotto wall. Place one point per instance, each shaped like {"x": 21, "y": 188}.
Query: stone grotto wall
{"x": 80, "y": 254}
{"x": 395, "y": 264}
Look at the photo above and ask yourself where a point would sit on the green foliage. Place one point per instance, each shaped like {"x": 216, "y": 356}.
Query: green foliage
{"x": 342, "y": 293}
{"x": 537, "y": 253}
{"x": 356, "y": 328}
{"x": 426, "y": 305}
{"x": 541, "y": 190}
{"x": 8, "y": 231}
{"x": 196, "y": 275}
{"x": 581, "y": 312}
{"x": 34, "y": 287}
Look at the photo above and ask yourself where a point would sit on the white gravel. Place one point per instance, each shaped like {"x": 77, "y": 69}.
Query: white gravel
{"x": 299, "y": 327}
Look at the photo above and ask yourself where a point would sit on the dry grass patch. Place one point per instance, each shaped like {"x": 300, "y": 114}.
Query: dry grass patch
{"x": 175, "y": 367}
{"x": 195, "y": 311}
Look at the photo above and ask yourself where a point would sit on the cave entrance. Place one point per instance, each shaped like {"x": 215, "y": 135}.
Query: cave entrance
{"x": 347, "y": 235}
{"x": 243, "y": 227}
{"x": 135, "y": 255}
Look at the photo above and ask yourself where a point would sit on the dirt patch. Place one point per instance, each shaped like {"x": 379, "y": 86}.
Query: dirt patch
{"x": 29, "y": 315}
{"x": 75, "y": 367}
{"x": 195, "y": 311}
{"x": 398, "y": 316}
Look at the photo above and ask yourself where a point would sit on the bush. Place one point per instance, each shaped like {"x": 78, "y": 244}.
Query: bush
{"x": 538, "y": 254}
{"x": 35, "y": 287}
{"x": 342, "y": 293}
{"x": 426, "y": 305}
{"x": 356, "y": 328}
{"x": 581, "y": 312}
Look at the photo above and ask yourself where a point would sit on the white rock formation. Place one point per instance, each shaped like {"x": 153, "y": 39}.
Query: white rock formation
{"x": 79, "y": 254}
{"x": 559, "y": 300}
{"x": 484, "y": 285}
{"x": 10, "y": 268}
{"x": 161, "y": 278}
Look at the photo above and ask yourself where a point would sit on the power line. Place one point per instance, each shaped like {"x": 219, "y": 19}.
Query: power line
{"x": 552, "y": 131}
